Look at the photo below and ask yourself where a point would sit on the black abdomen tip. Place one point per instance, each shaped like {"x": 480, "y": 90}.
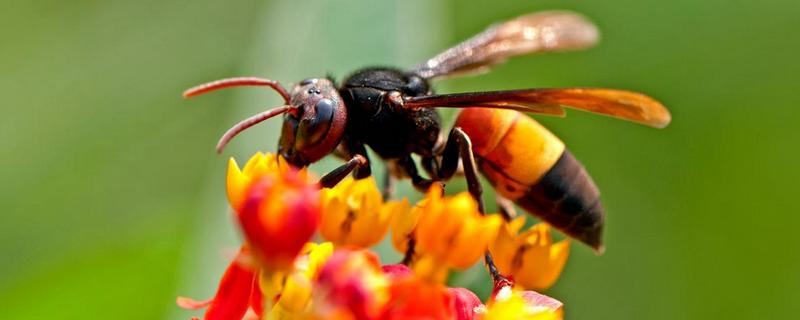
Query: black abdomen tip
{"x": 567, "y": 198}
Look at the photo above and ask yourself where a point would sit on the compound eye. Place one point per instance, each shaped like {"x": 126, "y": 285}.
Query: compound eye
{"x": 313, "y": 129}
{"x": 325, "y": 108}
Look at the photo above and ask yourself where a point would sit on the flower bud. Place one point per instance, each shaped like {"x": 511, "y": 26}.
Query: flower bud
{"x": 259, "y": 165}
{"x": 351, "y": 285}
{"x": 278, "y": 210}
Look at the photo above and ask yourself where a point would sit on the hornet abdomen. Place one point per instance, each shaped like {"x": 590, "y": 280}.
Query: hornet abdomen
{"x": 529, "y": 165}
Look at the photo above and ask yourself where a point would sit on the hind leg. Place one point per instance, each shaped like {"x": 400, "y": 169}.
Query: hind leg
{"x": 420, "y": 183}
{"x": 506, "y": 207}
{"x": 458, "y": 147}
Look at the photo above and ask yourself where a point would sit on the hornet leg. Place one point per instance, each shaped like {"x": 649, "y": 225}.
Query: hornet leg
{"x": 459, "y": 145}
{"x": 431, "y": 166}
{"x": 506, "y": 207}
{"x": 423, "y": 185}
{"x": 388, "y": 184}
{"x": 358, "y": 148}
{"x": 357, "y": 162}
{"x": 420, "y": 183}
{"x": 334, "y": 177}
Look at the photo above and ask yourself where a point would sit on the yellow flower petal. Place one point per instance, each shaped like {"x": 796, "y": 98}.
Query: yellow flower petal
{"x": 473, "y": 240}
{"x": 451, "y": 233}
{"x": 530, "y": 257}
{"x": 296, "y": 293}
{"x": 516, "y": 309}
{"x": 510, "y": 303}
{"x": 271, "y": 284}
{"x": 371, "y": 228}
{"x": 317, "y": 258}
{"x": 403, "y": 223}
{"x": 355, "y": 214}
{"x": 236, "y": 183}
{"x": 295, "y": 289}
{"x": 252, "y": 162}
{"x": 333, "y": 215}
{"x": 238, "y": 180}
{"x": 503, "y": 248}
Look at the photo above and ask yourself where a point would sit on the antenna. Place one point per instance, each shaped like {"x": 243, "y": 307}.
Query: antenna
{"x": 236, "y": 82}
{"x": 249, "y": 122}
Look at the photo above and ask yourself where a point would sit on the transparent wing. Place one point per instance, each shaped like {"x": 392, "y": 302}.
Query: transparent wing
{"x": 621, "y": 104}
{"x": 532, "y": 33}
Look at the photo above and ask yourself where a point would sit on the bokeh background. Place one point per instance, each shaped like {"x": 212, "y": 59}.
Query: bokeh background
{"x": 112, "y": 199}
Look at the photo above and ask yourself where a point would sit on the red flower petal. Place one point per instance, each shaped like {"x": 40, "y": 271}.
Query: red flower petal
{"x": 233, "y": 294}
{"x": 191, "y": 304}
{"x": 412, "y": 298}
{"x": 257, "y": 298}
{"x": 396, "y": 270}
{"x": 464, "y": 303}
{"x": 536, "y": 299}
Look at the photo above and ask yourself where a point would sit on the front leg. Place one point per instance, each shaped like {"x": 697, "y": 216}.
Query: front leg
{"x": 334, "y": 177}
{"x": 506, "y": 207}
{"x": 357, "y": 162}
{"x": 353, "y": 148}
{"x": 388, "y": 183}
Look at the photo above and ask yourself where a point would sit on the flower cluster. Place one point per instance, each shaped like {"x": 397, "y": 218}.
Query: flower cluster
{"x": 280, "y": 272}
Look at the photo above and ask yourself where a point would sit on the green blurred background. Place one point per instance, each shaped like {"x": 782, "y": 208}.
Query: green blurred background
{"x": 112, "y": 199}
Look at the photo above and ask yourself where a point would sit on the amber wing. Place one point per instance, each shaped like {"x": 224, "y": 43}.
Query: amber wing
{"x": 621, "y": 104}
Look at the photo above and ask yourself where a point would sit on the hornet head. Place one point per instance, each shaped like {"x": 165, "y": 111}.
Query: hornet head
{"x": 314, "y": 117}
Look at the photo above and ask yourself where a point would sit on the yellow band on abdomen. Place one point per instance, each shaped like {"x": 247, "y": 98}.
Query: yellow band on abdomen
{"x": 519, "y": 156}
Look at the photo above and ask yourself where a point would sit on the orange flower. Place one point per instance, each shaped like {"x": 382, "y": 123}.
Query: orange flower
{"x": 451, "y": 233}
{"x": 277, "y": 211}
{"x": 531, "y": 257}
